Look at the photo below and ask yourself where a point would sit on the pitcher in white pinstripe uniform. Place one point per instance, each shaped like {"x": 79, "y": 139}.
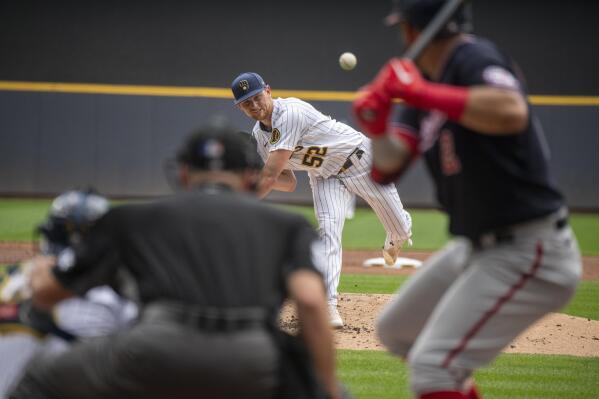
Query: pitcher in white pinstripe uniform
{"x": 292, "y": 135}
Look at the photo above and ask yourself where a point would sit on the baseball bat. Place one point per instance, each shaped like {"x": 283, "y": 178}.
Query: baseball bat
{"x": 438, "y": 22}
{"x": 392, "y": 155}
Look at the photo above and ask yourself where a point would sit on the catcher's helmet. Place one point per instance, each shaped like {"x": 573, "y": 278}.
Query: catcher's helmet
{"x": 70, "y": 217}
{"x": 419, "y": 14}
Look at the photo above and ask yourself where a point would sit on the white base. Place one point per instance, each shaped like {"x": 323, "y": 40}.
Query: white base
{"x": 399, "y": 263}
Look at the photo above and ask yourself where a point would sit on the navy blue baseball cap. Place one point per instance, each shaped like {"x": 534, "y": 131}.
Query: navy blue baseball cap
{"x": 420, "y": 13}
{"x": 247, "y": 85}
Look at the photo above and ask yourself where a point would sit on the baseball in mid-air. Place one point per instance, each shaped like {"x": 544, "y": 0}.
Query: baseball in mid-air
{"x": 348, "y": 61}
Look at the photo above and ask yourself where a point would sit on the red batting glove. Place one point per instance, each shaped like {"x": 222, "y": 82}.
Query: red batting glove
{"x": 373, "y": 104}
{"x": 371, "y": 109}
{"x": 382, "y": 177}
{"x": 400, "y": 78}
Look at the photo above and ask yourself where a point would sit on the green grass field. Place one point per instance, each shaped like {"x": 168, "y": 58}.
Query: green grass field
{"x": 430, "y": 230}
{"x": 18, "y": 217}
{"x": 375, "y": 374}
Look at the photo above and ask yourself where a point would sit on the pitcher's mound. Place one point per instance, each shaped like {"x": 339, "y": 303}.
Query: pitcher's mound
{"x": 555, "y": 334}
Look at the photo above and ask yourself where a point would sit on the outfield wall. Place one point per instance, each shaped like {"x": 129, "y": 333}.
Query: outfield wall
{"x": 54, "y": 141}
{"x": 115, "y": 137}
{"x": 293, "y": 44}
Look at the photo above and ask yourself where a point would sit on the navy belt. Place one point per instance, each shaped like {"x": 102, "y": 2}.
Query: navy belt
{"x": 348, "y": 162}
{"x": 507, "y": 235}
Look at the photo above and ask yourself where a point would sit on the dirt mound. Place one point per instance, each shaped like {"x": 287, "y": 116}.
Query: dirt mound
{"x": 555, "y": 334}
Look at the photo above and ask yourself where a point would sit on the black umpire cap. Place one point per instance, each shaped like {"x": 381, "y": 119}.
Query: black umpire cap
{"x": 219, "y": 147}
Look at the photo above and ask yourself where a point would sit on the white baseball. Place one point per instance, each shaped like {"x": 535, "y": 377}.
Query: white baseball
{"x": 348, "y": 61}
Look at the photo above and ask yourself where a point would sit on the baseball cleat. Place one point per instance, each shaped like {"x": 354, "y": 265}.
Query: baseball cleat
{"x": 334, "y": 317}
{"x": 391, "y": 253}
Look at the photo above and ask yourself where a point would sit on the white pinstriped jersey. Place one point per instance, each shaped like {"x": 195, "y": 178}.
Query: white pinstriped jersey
{"x": 100, "y": 312}
{"x": 319, "y": 143}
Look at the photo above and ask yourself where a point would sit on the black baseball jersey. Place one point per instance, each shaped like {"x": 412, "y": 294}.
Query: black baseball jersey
{"x": 484, "y": 182}
{"x": 211, "y": 247}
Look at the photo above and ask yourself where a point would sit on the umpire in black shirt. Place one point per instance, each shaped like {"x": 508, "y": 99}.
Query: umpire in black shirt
{"x": 211, "y": 268}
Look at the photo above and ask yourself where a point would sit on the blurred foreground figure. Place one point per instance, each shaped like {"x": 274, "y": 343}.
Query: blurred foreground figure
{"x": 26, "y": 330}
{"x": 514, "y": 258}
{"x": 209, "y": 293}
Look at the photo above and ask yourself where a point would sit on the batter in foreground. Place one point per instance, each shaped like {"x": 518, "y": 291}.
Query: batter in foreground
{"x": 293, "y": 135}
{"x": 514, "y": 257}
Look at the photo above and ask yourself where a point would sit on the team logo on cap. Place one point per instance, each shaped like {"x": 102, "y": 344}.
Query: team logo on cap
{"x": 214, "y": 150}
{"x": 275, "y": 136}
{"x": 244, "y": 85}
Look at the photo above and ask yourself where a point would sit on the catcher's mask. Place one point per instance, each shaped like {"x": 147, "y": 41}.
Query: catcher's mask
{"x": 70, "y": 217}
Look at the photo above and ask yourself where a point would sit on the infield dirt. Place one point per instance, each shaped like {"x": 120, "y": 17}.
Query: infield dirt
{"x": 555, "y": 334}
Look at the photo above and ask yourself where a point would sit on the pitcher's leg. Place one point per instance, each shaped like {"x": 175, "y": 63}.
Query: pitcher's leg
{"x": 385, "y": 201}
{"x": 330, "y": 204}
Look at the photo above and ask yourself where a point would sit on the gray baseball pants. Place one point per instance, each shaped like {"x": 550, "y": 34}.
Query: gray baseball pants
{"x": 468, "y": 302}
